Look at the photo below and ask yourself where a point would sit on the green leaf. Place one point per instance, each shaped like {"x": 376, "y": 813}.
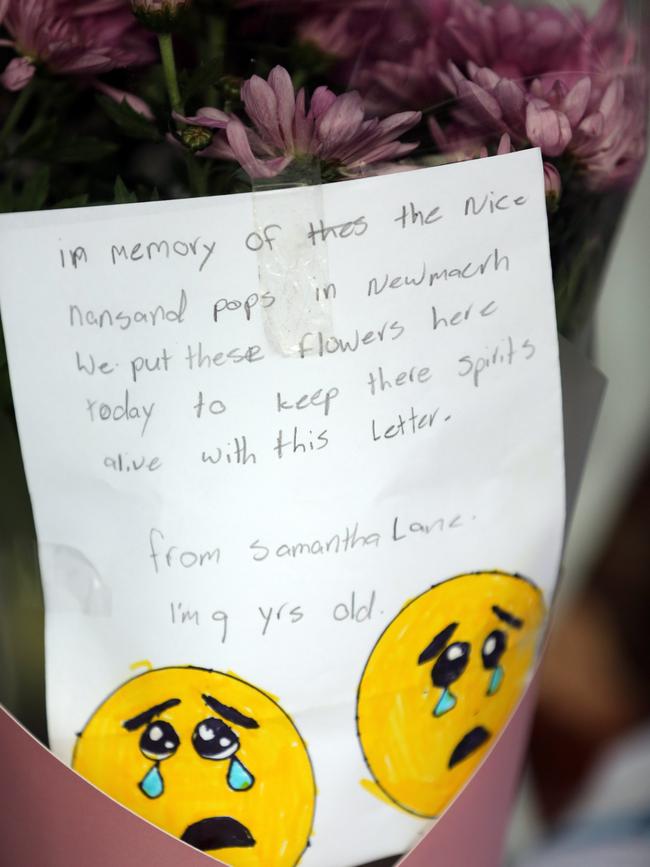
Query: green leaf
{"x": 144, "y": 193}
{"x": 123, "y": 196}
{"x": 148, "y": 195}
{"x": 128, "y": 120}
{"x": 72, "y": 201}
{"x": 38, "y": 139}
{"x": 34, "y": 193}
{"x": 206, "y": 75}
{"x": 84, "y": 149}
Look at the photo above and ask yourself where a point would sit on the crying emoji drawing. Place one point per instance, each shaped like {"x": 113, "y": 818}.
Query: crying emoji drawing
{"x": 208, "y": 758}
{"x": 441, "y": 682}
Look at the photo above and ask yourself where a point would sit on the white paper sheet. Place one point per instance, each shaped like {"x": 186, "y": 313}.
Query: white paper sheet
{"x": 223, "y": 480}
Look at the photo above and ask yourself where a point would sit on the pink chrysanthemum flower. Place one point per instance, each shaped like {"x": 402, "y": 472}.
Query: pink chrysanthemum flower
{"x": 598, "y": 121}
{"x": 515, "y": 41}
{"x": 72, "y": 38}
{"x": 336, "y": 35}
{"x": 333, "y": 130}
{"x": 589, "y": 110}
{"x": 399, "y": 50}
{"x": 381, "y": 49}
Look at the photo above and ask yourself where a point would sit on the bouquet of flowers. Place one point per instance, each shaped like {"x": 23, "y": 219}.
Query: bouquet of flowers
{"x": 124, "y": 101}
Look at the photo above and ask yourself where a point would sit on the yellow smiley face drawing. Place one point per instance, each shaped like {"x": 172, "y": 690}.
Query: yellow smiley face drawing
{"x": 208, "y": 758}
{"x": 441, "y": 683}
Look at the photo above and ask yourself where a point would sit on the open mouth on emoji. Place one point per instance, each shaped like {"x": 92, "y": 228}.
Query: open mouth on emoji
{"x": 217, "y": 832}
{"x": 468, "y": 744}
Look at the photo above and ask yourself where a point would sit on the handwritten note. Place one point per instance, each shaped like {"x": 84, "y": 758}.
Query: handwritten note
{"x": 225, "y": 480}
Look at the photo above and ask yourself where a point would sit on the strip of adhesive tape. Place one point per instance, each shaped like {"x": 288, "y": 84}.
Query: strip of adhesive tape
{"x": 74, "y": 583}
{"x": 292, "y": 269}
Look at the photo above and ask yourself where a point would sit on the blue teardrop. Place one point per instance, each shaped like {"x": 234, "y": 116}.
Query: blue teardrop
{"x": 445, "y": 703}
{"x": 152, "y": 783}
{"x": 495, "y": 680}
{"x": 239, "y": 778}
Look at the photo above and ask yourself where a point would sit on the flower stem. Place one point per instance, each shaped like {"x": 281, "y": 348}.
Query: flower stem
{"x": 197, "y": 174}
{"x": 217, "y": 37}
{"x": 169, "y": 68}
{"x": 15, "y": 114}
{"x": 217, "y": 25}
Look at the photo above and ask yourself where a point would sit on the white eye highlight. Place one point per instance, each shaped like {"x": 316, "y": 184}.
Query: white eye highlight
{"x": 206, "y": 733}
{"x": 159, "y": 741}
{"x": 213, "y": 739}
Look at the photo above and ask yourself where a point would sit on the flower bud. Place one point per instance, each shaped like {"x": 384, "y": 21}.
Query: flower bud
{"x": 196, "y": 138}
{"x": 230, "y": 87}
{"x": 160, "y": 15}
{"x": 18, "y": 74}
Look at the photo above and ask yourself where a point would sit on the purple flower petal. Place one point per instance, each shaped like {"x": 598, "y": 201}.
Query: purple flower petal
{"x": 397, "y": 124}
{"x": 218, "y": 149}
{"x": 382, "y": 153}
{"x": 455, "y": 75}
{"x": 280, "y": 81}
{"x": 212, "y": 118}
{"x": 593, "y": 125}
{"x": 374, "y": 136}
{"x": 480, "y": 102}
{"x": 547, "y": 129}
{"x": 437, "y": 133}
{"x": 261, "y": 106}
{"x": 612, "y": 100}
{"x": 321, "y": 100}
{"x": 238, "y": 141}
{"x": 505, "y": 145}
{"x": 87, "y": 62}
{"x": 511, "y": 99}
{"x": 485, "y": 78}
{"x": 340, "y": 122}
{"x": 576, "y": 101}
{"x": 119, "y": 96}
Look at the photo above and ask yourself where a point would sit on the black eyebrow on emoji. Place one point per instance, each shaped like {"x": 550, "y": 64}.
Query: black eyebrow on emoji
{"x": 507, "y": 617}
{"x": 230, "y": 713}
{"x": 438, "y": 644}
{"x": 147, "y": 715}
